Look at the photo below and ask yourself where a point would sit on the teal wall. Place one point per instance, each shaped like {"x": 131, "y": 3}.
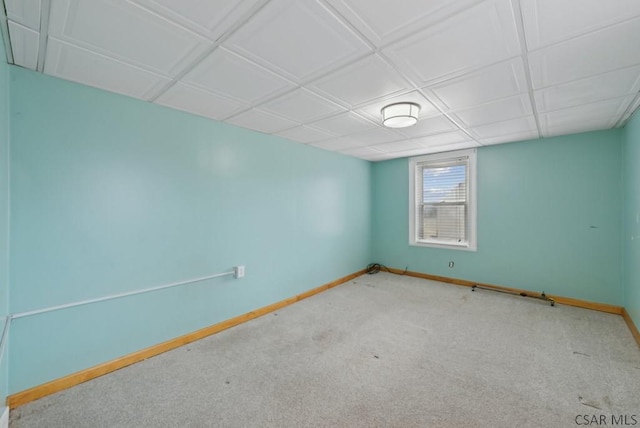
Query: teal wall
{"x": 548, "y": 218}
{"x": 111, "y": 194}
{"x": 4, "y": 211}
{"x": 631, "y": 212}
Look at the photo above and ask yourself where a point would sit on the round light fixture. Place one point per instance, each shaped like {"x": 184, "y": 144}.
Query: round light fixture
{"x": 400, "y": 115}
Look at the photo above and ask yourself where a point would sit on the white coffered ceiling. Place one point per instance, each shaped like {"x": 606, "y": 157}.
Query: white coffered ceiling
{"x": 318, "y": 71}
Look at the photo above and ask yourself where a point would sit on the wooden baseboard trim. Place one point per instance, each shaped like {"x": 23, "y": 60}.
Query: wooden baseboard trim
{"x": 631, "y": 325}
{"x": 602, "y": 307}
{"x": 56, "y": 385}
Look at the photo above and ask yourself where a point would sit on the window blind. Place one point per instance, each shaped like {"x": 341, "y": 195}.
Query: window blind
{"x": 442, "y": 201}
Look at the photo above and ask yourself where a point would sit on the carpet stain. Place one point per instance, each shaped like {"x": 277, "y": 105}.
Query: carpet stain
{"x": 365, "y": 284}
{"x": 581, "y": 353}
{"x": 588, "y": 403}
{"x": 375, "y": 356}
{"x": 323, "y": 336}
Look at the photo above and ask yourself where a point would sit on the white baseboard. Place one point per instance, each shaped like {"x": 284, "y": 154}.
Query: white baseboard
{"x": 4, "y": 418}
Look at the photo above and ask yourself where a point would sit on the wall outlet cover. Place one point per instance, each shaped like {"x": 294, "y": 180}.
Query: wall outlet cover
{"x": 239, "y": 271}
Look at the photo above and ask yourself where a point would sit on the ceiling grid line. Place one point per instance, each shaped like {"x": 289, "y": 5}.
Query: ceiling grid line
{"x": 4, "y": 28}
{"x": 45, "y": 10}
{"x": 215, "y": 44}
{"x": 182, "y": 73}
{"x": 378, "y": 50}
{"x": 525, "y": 60}
{"x": 581, "y": 35}
{"x": 632, "y": 108}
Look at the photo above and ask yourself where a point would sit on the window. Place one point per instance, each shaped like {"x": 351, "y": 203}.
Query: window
{"x": 442, "y": 210}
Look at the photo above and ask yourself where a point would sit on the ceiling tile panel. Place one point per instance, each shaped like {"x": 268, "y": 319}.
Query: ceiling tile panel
{"x": 262, "y": 121}
{"x": 226, "y": 73}
{"x": 376, "y": 136}
{"x": 496, "y": 111}
{"x": 434, "y": 149}
{"x": 633, "y": 107}
{"x": 588, "y": 117}
{"x": 211, "y": 19}
{"x": 203, "y": 103}
{"x": 551, "y": 21}
{"x": 300, "y": 39}
{"x": 368, "y": 138}
{"x": 362, "y": 82}
{"x": 344, "y": 124}
{"x": 443, "y": 139}
{"x": 477, "y": 37}
{"x": 378, "y": 158}
{"x": 80, "y": 65}
{"x": 25, "y": 12}
{"x": 429, "y": 126}
{"x": 128, "y": 33}
{"x": 576, "y": 125}
{"x": 406, "y": 153}
{"x": 385, "y": 22}
{"x": 372, "y": 111}
{"x": 592, "y": 89}
{"x": 524, "y": 125}
{"x": 302, "y": 106}
{"x": 338, "y": 144}
{"x": 398, "y": 146}
{"x": 24, "y": 42}
{"x": 362, "y": 152}
{"x": 510, "y": 138}
{"x": 452, "y": 146}
{"x": 605, "y": 50}
{"x": 498, "y": 81}
{"x": 304, "y": 134}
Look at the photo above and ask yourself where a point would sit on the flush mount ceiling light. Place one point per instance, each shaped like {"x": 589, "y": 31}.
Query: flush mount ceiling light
{"x": 400, "y": 115}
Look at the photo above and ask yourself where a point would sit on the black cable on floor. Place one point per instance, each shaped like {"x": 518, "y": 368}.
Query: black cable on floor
{"x": 373, "y": 268}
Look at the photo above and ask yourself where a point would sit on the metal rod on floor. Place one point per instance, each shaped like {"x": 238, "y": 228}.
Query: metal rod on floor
{"x": 515, "y": 293}
{"x": 116, "y": 296}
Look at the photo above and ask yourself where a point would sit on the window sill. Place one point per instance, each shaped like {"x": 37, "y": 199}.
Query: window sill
{"x": 463, "y": 247}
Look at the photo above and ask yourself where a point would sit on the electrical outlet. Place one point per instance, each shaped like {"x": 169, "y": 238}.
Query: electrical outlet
{"x": 451, "y": 265}
{"x": 238, "y": 271}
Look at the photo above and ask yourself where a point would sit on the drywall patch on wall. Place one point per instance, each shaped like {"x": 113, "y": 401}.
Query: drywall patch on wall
{"x": 111, "y": 194}
{"x": 548, "y": 218}
{"x": 631, "y": 213}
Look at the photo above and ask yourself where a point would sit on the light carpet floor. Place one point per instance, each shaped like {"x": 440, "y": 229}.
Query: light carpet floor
{"x": 380, "y": 351}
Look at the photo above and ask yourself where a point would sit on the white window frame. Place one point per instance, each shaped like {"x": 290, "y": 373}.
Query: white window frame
{"x": 471, "y": 244}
